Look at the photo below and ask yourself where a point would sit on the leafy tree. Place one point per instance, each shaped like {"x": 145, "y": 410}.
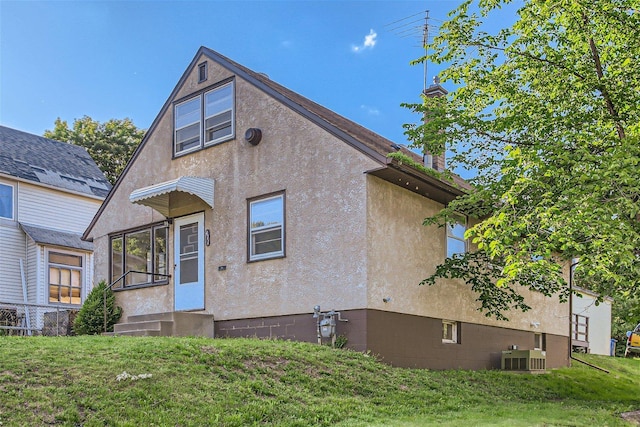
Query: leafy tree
{"x": 625, "y": 315}
{"x": 546, "y": 113}
{"x": 111, "y": 143}
{"x": 90, "y": 318}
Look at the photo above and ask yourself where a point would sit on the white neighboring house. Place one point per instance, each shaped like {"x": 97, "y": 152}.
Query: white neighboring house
{"x": 49, "y": 192}
{"x": 591, "y": 323}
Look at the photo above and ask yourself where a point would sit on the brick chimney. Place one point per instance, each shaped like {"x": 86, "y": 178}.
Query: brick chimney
{"x": 434, "y": 162}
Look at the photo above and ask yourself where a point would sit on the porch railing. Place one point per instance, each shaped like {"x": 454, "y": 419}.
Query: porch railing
{"x": 122, "y": 278}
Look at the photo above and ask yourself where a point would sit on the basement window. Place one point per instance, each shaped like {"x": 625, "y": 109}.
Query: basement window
{"x": 450, "y": 331}
{"x": 539, "y": 341}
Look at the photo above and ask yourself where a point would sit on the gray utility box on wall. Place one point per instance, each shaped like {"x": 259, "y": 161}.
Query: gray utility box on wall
{"x": 524, "y": 360}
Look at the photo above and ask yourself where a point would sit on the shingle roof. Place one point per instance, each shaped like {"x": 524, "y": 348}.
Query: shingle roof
{"x": 49, "y": 236}
{"x": 43, "y": 160}
{"x": 358, "y": 136}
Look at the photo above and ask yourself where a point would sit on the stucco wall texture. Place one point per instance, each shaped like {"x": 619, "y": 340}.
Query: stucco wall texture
{"x": 325, "y": 198}
{"x": 352, "y": 240}
{"x": 402, "y": 252}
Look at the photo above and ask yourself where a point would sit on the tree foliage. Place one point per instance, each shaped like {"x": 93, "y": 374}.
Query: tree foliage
{"x": 90, "y": 318}
{"x": 111, "y": 143}
{"x": 546, "y": 113}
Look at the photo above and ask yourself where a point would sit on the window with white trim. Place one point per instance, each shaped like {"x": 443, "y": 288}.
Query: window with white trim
{"x": 539, "y": 341}
{"x": 449, "y": 331}
{"x": 143, "y": 251}
{"x": 266, "y": 227}
{"x": 456, "y": 243}
{"x": 6, "y": 201}
{"x": 65, "y": 277}
{"x": 204, "y": 120}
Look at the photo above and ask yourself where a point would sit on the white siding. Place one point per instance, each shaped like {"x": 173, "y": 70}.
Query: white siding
{"x": 12, "y": 249}
{"x": 88, "y": 276}
{"x": 43, "y": 207}
{"x": 55, "y": 209}
{"x": 599, "y": 322}
{"x": 32, "y": 272}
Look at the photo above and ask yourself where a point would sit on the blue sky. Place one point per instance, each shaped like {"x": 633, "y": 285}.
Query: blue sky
{"x": 121, "y": 59}
{"x": 117, "y": 59}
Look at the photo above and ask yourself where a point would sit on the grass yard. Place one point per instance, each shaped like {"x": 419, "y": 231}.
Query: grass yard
{"x": 79, "y": 381}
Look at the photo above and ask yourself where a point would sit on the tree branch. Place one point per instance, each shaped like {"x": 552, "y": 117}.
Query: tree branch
{"x": 605, "y": 94}
{"x": 533, "y": 57}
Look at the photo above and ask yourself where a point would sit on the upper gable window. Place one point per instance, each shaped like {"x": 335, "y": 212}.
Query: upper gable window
{"x": 202, "y": 72}
{"x": 205, "y": 119}
{"x": 6, "y": 201}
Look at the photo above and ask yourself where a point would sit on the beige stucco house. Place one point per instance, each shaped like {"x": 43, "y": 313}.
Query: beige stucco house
{"x": 247, "y": 205}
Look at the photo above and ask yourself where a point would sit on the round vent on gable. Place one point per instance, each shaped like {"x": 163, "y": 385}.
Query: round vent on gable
{"x": 253, "y": 136}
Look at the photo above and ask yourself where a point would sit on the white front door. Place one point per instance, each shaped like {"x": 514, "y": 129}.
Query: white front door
{"x": 189, "y": 262}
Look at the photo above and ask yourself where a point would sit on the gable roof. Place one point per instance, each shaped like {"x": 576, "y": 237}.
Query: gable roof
{"x": 364, "y": 140}
{"x": 53, "y": 163}
{"x": 368, "y": 142}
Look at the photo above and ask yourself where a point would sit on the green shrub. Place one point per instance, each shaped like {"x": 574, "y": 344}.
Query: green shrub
{"x": 90, "y": 319}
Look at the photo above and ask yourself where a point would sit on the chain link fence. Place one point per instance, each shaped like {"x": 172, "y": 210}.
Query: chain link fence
{"x": 28, "y": 319}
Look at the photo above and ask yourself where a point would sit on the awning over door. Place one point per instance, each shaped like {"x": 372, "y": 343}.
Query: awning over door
{"x": 167, "y": 197}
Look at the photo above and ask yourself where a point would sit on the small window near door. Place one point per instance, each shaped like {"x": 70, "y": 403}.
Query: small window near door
{"x": 266, "y": 228}
{"x": 65, "y": 278}
{"x": 141, "y": 254}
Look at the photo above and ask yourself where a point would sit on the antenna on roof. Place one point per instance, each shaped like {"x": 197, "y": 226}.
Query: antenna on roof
{"x": 418, "y": 29}
{"x": 425, "y": 44}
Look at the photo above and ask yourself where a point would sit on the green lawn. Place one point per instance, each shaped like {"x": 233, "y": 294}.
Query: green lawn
{"x": 238, "y": 382}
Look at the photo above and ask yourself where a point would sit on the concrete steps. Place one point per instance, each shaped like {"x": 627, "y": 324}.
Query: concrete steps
{"x": 179, "y": 324}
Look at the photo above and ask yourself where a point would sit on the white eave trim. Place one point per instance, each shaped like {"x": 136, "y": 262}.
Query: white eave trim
{"x": 157, "y": 196}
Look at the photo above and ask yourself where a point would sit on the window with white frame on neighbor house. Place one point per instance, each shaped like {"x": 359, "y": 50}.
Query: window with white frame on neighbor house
{"x": 66, "y": 271}
{"x": 205, "y": 119}
{"x": 449, "y": 331}
{"x": 142, "y": 253}
{"x": 266, "y": 227}
{"x": 6, "y": 201}
{"x": 456, "y": 243}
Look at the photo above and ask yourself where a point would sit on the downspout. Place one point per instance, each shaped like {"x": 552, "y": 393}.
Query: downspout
{"x": 571, "y": 266}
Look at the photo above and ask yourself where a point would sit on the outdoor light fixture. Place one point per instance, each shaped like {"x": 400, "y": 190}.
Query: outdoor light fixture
{"x": 253, "y": 136}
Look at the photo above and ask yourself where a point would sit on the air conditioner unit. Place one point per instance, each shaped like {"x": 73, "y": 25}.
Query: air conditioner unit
{"x": 524, "y": 360}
